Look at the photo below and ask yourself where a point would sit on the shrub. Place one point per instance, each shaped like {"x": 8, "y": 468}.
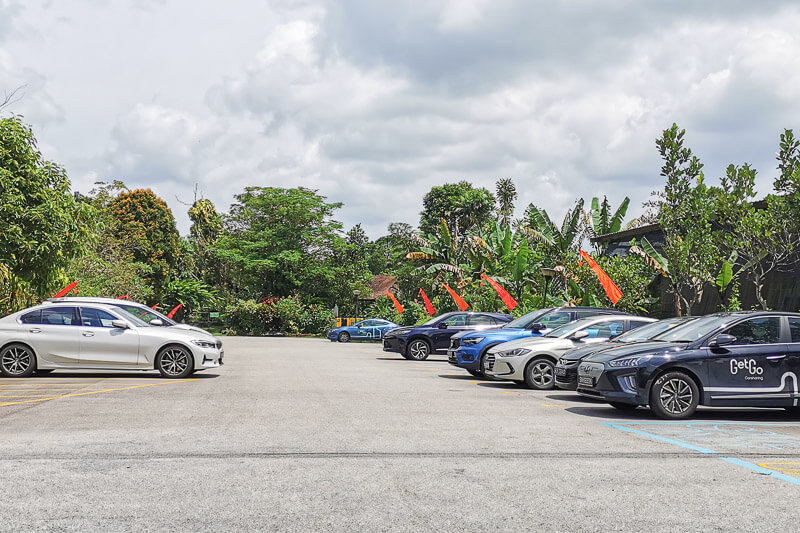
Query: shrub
{"x": 277, "y": 315}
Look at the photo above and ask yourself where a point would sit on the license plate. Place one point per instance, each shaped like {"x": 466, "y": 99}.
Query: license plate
{"x": 561, "y": 371}
{"x": 586, "y": 380}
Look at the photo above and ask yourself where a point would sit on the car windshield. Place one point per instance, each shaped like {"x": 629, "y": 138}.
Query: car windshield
{"x": 526, "y": 320}
{"x": 567, "y": 329}
{"x": 649, "y": 331}
{"x": 133, "y": 319}
{"x": 436, "y": 319}
{"x": 695, "y": 329}
{"x": 144, "y": 314}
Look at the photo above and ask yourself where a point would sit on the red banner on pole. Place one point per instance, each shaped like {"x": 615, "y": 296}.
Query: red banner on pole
{"x": 172, "y": 313}
{"x": 458, "y": 299}
{"x": 155, "y": 307}
{"x": 612, "y": 291}
{"x": 65, "y": 290}
{"x": 428, "y": 305}
{"x": 395, "y": 302}
{"x": 509, "y": 300}
{"x": 124, "y": 297}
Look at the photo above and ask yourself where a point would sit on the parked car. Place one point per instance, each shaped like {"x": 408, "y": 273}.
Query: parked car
{"x": 567, "y": 368}
{"x": 532, "y": 361}
{"x": 371, "y": 328}
{"x": 143, "y": 312}
{"x": 60, "y": 335}
{"x": 418, "y": 342}
{"x": 742, "y": 359}
{"x": 468, "y": 350}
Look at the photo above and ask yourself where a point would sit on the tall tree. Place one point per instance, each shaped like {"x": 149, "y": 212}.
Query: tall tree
{"x": 506, "y": 195}
{"x": 462, "y": 206}
{"x": 42, "y": 226}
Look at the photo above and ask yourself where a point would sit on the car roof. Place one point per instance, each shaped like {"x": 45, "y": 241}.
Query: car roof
{"x": 91, "y": 299}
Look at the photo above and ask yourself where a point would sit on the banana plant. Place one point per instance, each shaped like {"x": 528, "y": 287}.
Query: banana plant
{"x": 558, "y": 241}
{"x": 600, "y": 220}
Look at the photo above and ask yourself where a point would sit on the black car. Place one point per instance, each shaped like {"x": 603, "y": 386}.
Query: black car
{"x": 418, "y": 342}
{"x": 741, "y": 359}
{"x": 566, "y": 371}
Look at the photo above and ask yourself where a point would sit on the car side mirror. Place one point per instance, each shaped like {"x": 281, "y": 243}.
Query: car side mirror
{"x": 721, "y": 340}
{"x": 156, "y": 322}
{"x": 537, "y": 327}
{"x": 121, "y": 324}
{"x": 442, "y": 325}
{"x": 578, "y": 335}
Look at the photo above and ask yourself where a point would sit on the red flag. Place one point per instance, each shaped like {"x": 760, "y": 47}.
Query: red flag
{"x": 172, "y": 313}
{"x": 428, "y": 305}
{"x": 458, "y": 299}
{"x": 613, "y": 292}
{"x": 65, "y": 290}
{"x": 510, "y": 302}
{"x": 154, "y": 307}
{"x": 124, "y": 297}
{"x": 395, "y": 302}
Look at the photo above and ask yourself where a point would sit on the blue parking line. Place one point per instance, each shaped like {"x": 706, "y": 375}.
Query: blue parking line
{"x": 732, "y": 460}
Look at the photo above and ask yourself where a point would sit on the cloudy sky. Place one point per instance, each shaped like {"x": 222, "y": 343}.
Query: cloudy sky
{"x": 373, "y": 102}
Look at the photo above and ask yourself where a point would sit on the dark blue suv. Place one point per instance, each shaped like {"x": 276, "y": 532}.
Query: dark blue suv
{"x": 418, "y": 342}
{"x": 468, "y": 350}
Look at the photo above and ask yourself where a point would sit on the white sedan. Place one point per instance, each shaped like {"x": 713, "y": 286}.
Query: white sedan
{"x": 102, "y": 337}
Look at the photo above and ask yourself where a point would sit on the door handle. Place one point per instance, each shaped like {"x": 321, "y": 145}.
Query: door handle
{"x": 88, "y": 334}
{"x": 775, "y": 357}
{"x": 35, "y": 330}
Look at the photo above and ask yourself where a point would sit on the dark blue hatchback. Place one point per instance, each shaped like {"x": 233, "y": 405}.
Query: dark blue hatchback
{"x": 742, "y": 359}
{"x": 418, "y": 342}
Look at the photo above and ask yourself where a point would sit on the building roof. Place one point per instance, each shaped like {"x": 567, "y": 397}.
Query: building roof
{"x": 379, "y": 285}
{"x": 627, "y": 234}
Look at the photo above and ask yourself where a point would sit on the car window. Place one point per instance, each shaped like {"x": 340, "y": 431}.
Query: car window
{"x": 34, "y": 317}
{"x": 455, "y": 320}
{"x": 368, "y": 323}
{"x": 60, "y": 316}
{"x": 761, "y": 330}
{"x": 605, "y": 330}
{"x": 481, "y": 320}
{"x": 585, "y": 313}
{"x": 794, "y": 329}
{"x": 145, "y": 315}
{"x": 638, "y": 323}
{"x": 96, "y": 318}
{"x": 554, "y": 320}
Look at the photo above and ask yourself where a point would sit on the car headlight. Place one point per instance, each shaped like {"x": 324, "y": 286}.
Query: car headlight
{"x": 472, "y": 340}
{"x": 204, "y": 344}
{"x": 628, "y": 361}
{"x": 513, "y": 353}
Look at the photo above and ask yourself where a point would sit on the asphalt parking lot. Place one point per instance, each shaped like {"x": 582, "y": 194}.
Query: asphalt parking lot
{"x": 308, "y": 435}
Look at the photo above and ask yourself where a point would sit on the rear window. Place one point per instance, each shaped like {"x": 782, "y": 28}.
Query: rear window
{"x": 34, "y": 317}
{"x": 60, "y": 316}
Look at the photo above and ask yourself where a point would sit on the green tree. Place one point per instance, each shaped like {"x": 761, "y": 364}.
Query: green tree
{"x": 143, "y": 222}
{"x": 204, "y": 232}
{"x": 506, "y": 195}
{"x": 462, "y": 206}
{"x": 43, "y": 226}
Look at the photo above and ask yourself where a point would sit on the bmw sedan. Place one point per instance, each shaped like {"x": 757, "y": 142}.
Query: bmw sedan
{"x": 100, "y": 337}
{"x": 742, "y": 359}
{"x": 567, "y": 367}
{"x": 531, "y": 361}
{"x": 370, "y": 329}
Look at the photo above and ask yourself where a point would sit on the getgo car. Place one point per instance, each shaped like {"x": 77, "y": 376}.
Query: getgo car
{"x": 372, "y": 329}
{"x": 418, "y": 342}
{"x": 532, "y": 361}
{"x": 95, "y": 336}
{"x": 743, "y": 359}
{"x": 468, "y": 350}
{"x": 567, "y": 367}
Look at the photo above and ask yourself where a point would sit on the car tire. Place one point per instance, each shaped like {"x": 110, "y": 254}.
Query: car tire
{"x": 540, "y": 374}
{"x": 343, "y": 337}
{"x": 476, "y": 373}
{"x": 175, "y": 362}
{"x": 17, "y": 361}
{"x": 674, "y": 396}
{"x": 622, "y": 406}
{"x": 418, "y": 350}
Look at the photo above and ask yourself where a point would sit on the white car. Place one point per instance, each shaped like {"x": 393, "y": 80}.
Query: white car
{"x": 148, "y": 314}
{"x": 532, "y": 360}
{"x": 71, "y": 336}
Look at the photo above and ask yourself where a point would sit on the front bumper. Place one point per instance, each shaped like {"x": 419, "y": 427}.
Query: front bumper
{"x": 510, "y": 368}
{"x": 465, "y": 357}
{"x": 394, "y": 344}
{"x": 567, "y": 376}
{"x": 615, "y": 385}
{"x": 208, "y": 358}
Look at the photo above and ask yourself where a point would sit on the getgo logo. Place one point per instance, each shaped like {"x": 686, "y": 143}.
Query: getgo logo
{"x": 748, "y": 365}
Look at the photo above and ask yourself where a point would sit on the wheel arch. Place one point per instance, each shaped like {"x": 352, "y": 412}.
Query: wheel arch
{"x": 677, "y": 368}
{"x": 167, "y": 345}
{"x": 28, "y": 346}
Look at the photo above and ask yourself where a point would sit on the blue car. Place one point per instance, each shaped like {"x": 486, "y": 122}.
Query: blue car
{"x": 418, "y": 342}
{"x": 370, "y": 329}
{"x": 468, "y": 350}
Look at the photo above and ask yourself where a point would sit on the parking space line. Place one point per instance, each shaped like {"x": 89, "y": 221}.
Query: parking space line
{"x": 793, "y": 470}
{"x": 98, "y": 392}
{"x": 552, "y": 405}
{"x": 733, "y": 460}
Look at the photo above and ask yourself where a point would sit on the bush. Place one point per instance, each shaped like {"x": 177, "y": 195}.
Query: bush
{"x": 277, "y": 315}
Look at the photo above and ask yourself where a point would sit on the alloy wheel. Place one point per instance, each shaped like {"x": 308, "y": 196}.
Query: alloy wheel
{"x": 174, "y": 362}
{"x": 418, "y": 350}
{"x": 17, "y": 361}
{"x": 542, "y": 374}
{"x": 676, "y": 396}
